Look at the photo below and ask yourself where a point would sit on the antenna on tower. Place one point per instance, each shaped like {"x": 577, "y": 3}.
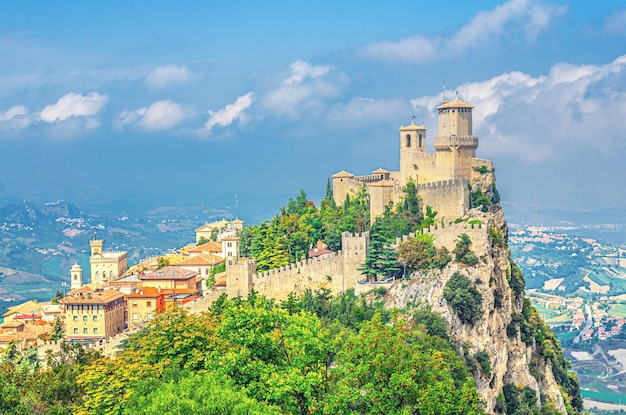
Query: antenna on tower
{"x": 412, "y": 118}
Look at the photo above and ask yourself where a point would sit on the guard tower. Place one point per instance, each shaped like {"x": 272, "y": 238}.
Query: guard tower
{"x": 412, "y": 143}
{"x": 455, "y": 144}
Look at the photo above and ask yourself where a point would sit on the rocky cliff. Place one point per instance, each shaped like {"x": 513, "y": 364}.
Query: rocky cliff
{"x": 510, "y": 332}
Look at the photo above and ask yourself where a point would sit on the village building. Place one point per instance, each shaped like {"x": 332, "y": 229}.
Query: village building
{"x": 28, "y": 308}
{"x": 94, "y": 315}
{"x": 143, "y": 304}
{"x": 106, "y": 265}
{"x": 172, "y": 277}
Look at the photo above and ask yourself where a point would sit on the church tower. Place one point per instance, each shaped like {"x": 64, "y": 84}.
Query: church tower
{"x": 412, "y": 143}
{"x": 76, "y": 277}
{"x": 455, "y": 144}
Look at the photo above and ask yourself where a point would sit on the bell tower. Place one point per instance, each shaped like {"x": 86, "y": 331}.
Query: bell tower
{"x": 76, "y": 276}
{"x": 412, "y": 142}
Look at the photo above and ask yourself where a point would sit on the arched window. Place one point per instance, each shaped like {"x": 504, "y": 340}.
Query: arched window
{"x": 111, "y": 274}
{"x": 420, "y": 140}
{"x": 97, "y": 274}
{"x": 408, "y": 140}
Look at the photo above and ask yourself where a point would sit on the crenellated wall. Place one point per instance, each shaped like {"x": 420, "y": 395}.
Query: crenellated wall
{"x": 336, "y": 271}
{"x": 450, "y": 198}
{"x": 446, "y": 236}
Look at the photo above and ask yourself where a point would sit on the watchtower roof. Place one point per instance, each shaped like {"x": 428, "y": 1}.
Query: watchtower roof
{"x": 380, "y": 170}
{"x": 457, "y": 103}
{"x": 412, "y": 127}
{"x": 342, "y": 174}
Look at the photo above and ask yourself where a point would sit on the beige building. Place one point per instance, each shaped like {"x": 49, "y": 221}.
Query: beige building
{"x": 143, "y": 304}
{"x": 94, "y": 315}
{"x": 106, "y": 265}
{"x": 443, "y": 178}
{"x": 223, "y": 228}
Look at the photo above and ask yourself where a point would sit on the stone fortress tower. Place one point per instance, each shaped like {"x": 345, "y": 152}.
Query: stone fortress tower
{"x": 443, "y": 178}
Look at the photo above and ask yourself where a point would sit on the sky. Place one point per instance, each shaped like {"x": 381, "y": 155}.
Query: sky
{"x": 189, "y": 101}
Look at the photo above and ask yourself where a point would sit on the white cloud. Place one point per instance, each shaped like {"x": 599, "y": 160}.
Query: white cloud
{"x": 305, "y": 88}
{"x": 574, "y": 109}
{"x": 616, "y": 23}
{"x": 15, "y": 118}
{"x": 230, "y": 112}
{"x": 411, "y": 49}
{"x": 531, "y": 16}
{"x": 74, "y": 105}
{"x": 169, "y": 74}
{"x": 360, "y": 111}
{"x": 161, "y": 115}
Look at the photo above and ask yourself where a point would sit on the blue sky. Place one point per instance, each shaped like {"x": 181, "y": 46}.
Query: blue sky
{"x": 193, "y": 99}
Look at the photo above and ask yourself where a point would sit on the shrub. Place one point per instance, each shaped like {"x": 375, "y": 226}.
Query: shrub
{"x": 482, "y": 357}
{"x": 464, "y": 298}
{"x": 462, "y": 252}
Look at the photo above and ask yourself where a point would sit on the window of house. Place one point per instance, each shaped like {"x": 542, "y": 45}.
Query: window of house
{"x": 75, "y": 318}
{"x": 134, "y": 303}
{"x": 148, "y": 303}
{"x": 84, "y": 318}
{"x": 95, "y": 330}
{"x": 86, "y": 330}
{"x": 75, "y": 330}
{"x": 134, "y": 316}
{"x": 95, "y": 318}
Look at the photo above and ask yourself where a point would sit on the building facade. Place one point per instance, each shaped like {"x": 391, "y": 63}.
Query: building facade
{"x": 94, "y": 315}
{"x": 106, "y": 265}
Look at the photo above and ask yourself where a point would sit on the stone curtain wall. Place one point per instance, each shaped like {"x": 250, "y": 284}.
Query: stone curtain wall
{"x": 450, "y": 198}
{"x": 337, "y": 272}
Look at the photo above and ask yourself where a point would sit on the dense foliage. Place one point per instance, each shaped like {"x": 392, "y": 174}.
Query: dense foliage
{"x": 314, "y": 355}
{"x": 464, "y": 298}
{"x": 299, "y": 225}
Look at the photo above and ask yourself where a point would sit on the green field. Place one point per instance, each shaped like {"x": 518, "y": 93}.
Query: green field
{"x": 559, "y": 319}
{"x": 618, "y": 310}
{"x": 602, "y": 396}
{"x": 601, "y": 278}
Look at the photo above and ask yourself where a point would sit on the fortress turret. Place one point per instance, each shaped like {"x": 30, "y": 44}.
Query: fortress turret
{"x": 412, "y": 143}
{"x": 455, "y": 144}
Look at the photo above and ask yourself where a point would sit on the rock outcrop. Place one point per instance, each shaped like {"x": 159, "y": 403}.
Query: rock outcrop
{"x": 510, "y": 358}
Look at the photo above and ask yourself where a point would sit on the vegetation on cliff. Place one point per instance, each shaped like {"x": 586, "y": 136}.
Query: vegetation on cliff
{"x": 314, "y": 355}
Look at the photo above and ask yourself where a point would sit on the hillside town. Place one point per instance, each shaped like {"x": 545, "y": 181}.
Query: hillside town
{"x": 117, "y": 298}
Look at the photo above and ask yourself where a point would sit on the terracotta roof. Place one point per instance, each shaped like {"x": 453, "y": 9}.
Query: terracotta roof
{"x": 208, "y": 247}
{"x": 30, "y": 306}
{"x": 147, "y": 292}
{"x": 93, "y": 297}
{"x": 230, "y": 238}
{"x": 454, "y": 104}
{"x": 170, "y": 273}
{"x": 238, "y": 221}
{"x": 315, "y": 253}
{"x": 341, "y": 174}
{"x": 201, "y": 259}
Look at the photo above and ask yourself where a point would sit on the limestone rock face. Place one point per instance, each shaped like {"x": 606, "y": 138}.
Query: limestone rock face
{"x": 509, "y": 356}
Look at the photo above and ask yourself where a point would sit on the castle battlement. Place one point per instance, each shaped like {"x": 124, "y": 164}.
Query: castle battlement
{"x": 443, "y": 142}
{"x": 443, "y": 184}
{"x": 369, "y": 178}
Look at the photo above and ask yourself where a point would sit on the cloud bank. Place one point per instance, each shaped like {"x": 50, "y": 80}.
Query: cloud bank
{"x": 73, "y": 105}
{"x": 530, "y": 16}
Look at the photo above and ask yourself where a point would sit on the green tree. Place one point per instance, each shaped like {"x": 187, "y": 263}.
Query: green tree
{"x": 385, "y": 370}
{"x": 201, "y": 393}
{"x": 463, "y": 297}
